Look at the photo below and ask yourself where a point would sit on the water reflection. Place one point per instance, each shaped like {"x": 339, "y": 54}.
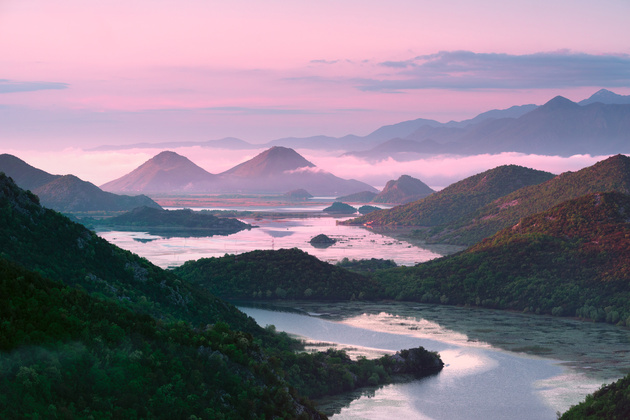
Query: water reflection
{"x": 351, "y": 242}
{"x": 483, "y": 377}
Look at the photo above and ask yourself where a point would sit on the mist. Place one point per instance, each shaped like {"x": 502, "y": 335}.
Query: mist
{"x": 437, "y": 171}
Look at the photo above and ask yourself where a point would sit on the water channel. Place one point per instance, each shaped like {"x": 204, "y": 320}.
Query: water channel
{"x": 499, "y": 365}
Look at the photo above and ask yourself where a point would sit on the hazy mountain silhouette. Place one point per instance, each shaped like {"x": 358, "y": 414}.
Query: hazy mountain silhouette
{"x": 606, "y": 97}
{"x": 403, "y": 190}
{"x": 24, "y": 175}
{"x": 70, "y": 194}
{"x": 276, "y": 170}
{"x": 224, "y": 143}
{"x": 67, "y": 193}
{"x": 164, "y": 173}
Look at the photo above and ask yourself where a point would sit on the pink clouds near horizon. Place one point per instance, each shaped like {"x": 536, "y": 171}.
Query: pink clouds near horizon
{"x": 81, "y": 74}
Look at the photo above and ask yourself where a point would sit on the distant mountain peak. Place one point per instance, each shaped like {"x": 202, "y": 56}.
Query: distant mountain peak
{"x": 403, "y": 190}
{"x": 274, "y": 161}
{"x": 165, "y": 172}
{"x": 608, "y": 97}
{"x": 559, "y": 102}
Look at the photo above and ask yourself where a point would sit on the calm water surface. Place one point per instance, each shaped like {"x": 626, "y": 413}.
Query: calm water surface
{"x": 498, "y": 365}
{"x": 352, "y": 242}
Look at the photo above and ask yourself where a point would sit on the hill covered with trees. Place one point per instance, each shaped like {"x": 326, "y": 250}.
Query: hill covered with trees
{"x": 570, "y": 260}
{"x": 281, "y": 274}
{"x": 457, "y": 200}
{"x": 612, "y": 174}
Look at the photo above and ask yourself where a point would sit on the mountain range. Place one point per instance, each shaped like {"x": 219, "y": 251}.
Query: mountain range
{"x": 477, "y": 207}
{"x": 457, "y": 200}
{"x": 68, "y": 193}
{"x": 597, "y": 125}
{"x": 276, "y": 170}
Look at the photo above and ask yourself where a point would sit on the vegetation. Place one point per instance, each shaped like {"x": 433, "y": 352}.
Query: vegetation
{"x": 612, "y": 174}
{"x": 368, "y": 209}
{"x": 190, "y": 222}
{"x": 366, "y": 266}
{"x": 281, "y": 274}
{"x": 88, "y": 330}
{"x": 457, "y": 200}
{"x": 322, "y": 240}
{"x": 69, "y": 355}
{"x": 571, "y": 260}
{"x": 609, "y": 402}
{"x": 340, "y": 208}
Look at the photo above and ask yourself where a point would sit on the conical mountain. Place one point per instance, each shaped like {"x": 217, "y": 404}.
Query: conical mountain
{"x": 571, "y": 259}
{"x": 70, "y": 194}
{"x": 281, "y": 169}
{"x": 612, "y": 174}
{"x": 272, "y": 162}
{"x": 457, "y": 200}
{"x": 25, "y": 175}
{"x": 166, "y": 172}
{"x": 403, "y": 190}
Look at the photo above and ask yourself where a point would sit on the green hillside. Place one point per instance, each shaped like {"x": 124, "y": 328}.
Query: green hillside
{"x": 573, "y": 259}
{"x": 285, "y": 273}
{"x": 612, "y": 174}
{"x": 457, "y": 200}
{"x": 49, "y": 243}
{"x": 66, "y": 354}
{"x": 88, "y": 330}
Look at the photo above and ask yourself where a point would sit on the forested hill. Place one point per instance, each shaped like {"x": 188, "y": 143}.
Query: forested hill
{"x": 67, "y": 354}
{"x": 573, "y": 259}
{"x": 46, "y": 241}
{"x": 285, "y": 273}
{"x": 457, "y": 200}
{"x": 612, "y": 174}
{"x": 185, "y": 219}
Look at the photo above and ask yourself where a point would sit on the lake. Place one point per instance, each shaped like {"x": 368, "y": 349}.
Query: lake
{"x": 499, "y": 365}
{"x": 353, "y": 242}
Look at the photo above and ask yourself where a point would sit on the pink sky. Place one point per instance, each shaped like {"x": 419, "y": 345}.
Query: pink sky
{"x": 78, "y": 74}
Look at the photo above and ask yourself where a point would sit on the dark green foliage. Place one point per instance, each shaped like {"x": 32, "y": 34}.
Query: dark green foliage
{"x": 186, "y": 220}
{"x": 285, "y": 273}
{"x": 69, "y": 355}
{"x": 332, "y": 372}
{"x": 322, "y": 240}
{"x": 571, "y": 260}
{"x": 457, "y": 200}
{"x": 609, "y": 402}
{"x": 366, "y": 266}
{"x": 612, "y": 174}
{"x": 45, "y": 241}
{"x": 368, "y": 209}
{"x": 340, "y": 208}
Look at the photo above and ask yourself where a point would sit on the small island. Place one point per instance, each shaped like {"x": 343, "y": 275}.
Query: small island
{"x": 185, "y": 222}
{"x": 368, "y": 209}
{"x": 340, "y": 208}
{"x": 322, "y": 241}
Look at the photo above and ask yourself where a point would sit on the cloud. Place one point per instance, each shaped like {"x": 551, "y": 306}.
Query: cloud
{"x": 12, "y": 86}
{"x": 324, "y": 61}
{"x": 466, "y": 70}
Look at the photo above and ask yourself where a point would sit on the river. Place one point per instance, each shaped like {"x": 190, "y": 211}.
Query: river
{"x": 499, "y": 365}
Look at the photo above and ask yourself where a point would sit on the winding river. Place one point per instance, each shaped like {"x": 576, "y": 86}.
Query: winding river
{"x": 499, "y": 365}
